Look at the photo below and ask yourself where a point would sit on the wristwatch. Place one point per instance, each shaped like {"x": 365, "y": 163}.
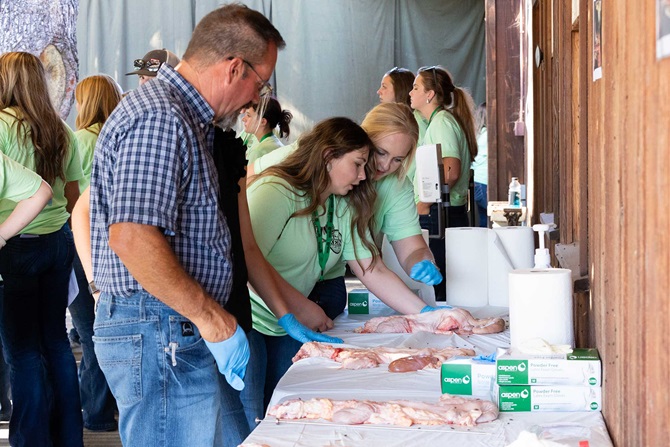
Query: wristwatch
{"x": 92, "y": 288}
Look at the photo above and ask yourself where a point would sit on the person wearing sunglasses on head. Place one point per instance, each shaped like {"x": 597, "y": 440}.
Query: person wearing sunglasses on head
{"x": 449, "y": 111}
{"x": 147, "y": 67}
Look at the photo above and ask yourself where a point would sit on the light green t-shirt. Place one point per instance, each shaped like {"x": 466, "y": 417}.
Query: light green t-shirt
{"x": 395, "y": 215}
{"x": 289, "y": 243}
{"x": 86, "y": 139}
{"x": 265, "y": 146}
{"x": 481, "y": 162}
{"x": 249, "y": 139}
{"x": 17, "y": 182}
{"x": 273, "y": 158}
{"x": 423, "y": 125}
{"x": 54, "y": 215}
{"x": 445, "y": 130}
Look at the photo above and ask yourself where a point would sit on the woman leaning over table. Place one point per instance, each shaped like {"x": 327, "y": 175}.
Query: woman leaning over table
{"x": 307, "y": 213}
{"x": 36, "y": 265}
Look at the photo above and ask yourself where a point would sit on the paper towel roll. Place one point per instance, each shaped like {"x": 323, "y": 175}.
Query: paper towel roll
{"x": 467, "y": 266}
{"x": 510, "y": 248}
{"x": 540, "y": 306}
{"x": 425, "y": 292}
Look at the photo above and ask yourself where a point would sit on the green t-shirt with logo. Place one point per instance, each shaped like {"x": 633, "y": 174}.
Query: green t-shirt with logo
{"x": 17, "y": 182}
{"x": 21, "y": 150}
{"x": 289, "y": 243}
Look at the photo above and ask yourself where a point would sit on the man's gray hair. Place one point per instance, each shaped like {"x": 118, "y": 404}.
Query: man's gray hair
{"x": 232, "y": 30}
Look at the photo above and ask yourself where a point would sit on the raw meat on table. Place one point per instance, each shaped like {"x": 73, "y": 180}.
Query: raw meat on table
{"x": 441, "y": 321}
{"x": 449, "y": 409}
{"x": 403, "y": 359}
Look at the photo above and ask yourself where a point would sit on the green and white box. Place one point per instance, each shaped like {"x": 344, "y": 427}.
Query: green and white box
{"x": 580, "y": 367}
{"x": 462, "y": 375}
{"x": 361, "y": 301}
{"x": 514, "y": 398}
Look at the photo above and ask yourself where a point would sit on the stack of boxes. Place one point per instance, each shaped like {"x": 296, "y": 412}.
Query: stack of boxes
{"x": 521, "y": 382}
{"x": 549, "y": 382}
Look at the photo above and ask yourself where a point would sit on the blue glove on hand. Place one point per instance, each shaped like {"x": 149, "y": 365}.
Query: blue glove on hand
{"x": 428, "y": 309}
{"x": 232, "y": 356}
{"x": 301, "y": 333}
{"x": 486, "y": 358}
{"x": 426, "y": 272}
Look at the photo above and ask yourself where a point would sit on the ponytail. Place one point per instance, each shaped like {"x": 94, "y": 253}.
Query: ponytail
{"x": 462, "y": 109}
{"x": 284, "y": 121}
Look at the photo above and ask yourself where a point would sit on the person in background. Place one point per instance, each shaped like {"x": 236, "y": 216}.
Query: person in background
{"x": 449, "y": 111}
{"x": 147, "y": 67}
{"x": 96, "y": 97}
{"x": 395, "y": 87}
{"x": 263, "y": 128}
{"x": 481, "y": 165}
{"x": 36, "y": 264}
{"x": 321, "y": 200}
{"x": 31, "y": 194}
{"x": 164, "y": 251}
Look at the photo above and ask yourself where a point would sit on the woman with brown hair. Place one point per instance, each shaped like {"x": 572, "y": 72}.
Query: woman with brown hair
{"x": 36, "y": 264}
{"x": 308, "y": 212}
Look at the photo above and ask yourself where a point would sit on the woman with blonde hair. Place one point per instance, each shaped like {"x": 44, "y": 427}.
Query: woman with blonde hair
{"x": 320, "y": 199}
{"x": 36, "y": 264}
{"x": 394, "y": 132}
{"x": 97, "y": 96}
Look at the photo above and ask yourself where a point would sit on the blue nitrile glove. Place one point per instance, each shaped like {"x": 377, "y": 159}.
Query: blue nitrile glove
{"x": 426, "y": 272}
{"x": 486, "y": 358}
{"x": 428, "y": 309}
{"x": 232, "y": 356}
{"x": 301, "y": 333}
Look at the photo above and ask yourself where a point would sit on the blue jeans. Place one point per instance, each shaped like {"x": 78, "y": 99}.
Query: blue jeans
{"x": 481, "y": 201}
{"x": 97, "y": 401}
{"x": 270, "y": 358}
{"x": 43, "y": 371}
{"x": 330, "y": 295}
{"x": 165, "y": 381}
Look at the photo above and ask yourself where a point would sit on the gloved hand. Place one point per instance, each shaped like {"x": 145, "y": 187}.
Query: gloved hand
{"x": 426, "y": 272}
{"x": 232, "y": 356}
{"x": 428, "y": 309}
{"x": 303, "y": 334}
{"x": 486, "y": 358}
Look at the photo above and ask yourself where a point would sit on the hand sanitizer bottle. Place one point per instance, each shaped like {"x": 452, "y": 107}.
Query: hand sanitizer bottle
{"x": 514, "y": 192}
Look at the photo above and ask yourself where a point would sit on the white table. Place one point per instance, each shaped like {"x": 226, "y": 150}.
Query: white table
{"x": 318, "y": 377}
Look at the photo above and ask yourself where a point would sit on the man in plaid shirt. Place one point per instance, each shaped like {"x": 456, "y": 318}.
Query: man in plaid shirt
{"x": 160, "y": 245}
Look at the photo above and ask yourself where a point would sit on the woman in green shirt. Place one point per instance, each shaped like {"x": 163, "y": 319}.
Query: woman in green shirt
{"x": 263, "y": 128}
{"x": 449, "y": 112}
{"x": 308, "y": 213}
{"x": 97, "y": 96}
{"x": 36, "y": 265}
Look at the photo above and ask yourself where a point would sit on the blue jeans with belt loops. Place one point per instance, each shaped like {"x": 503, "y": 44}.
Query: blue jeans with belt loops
{"x": 166, "y": 383}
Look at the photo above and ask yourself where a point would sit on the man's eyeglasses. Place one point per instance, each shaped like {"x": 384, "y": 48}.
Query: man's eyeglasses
{"x": 266, "y": 88}
{"x": 151, "y": 64}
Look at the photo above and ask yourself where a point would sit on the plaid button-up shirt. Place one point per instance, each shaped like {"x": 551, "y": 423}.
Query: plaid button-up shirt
{"x": 153, "y": 165}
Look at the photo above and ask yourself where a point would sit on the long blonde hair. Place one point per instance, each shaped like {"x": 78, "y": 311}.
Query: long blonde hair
{"x": 455, "y": 100}
{"x": 23, "y": 87}
{"x": 97, "y": 97}
{"x": 305, "y": 170}
{"x": 390, "y": 118}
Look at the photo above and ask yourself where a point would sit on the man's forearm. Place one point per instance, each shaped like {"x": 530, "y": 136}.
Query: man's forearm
{"x": 162, "y": 275}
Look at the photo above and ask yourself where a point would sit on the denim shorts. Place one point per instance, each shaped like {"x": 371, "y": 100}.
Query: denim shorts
{"x": 165, "y": 380}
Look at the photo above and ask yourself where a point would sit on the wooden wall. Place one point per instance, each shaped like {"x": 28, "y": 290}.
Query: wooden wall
{"x": 602, "y": 164}
{"x": 503, "y": 93}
